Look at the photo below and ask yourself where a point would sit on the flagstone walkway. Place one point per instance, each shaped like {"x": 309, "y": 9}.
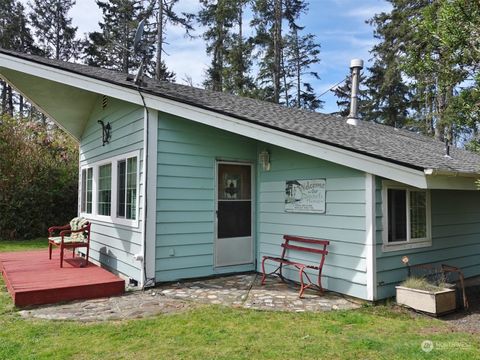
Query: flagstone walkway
{"x": 243, "y": 291}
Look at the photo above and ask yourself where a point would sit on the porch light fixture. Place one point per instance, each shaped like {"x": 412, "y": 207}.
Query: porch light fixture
{"x": 264, "y": 159}
{"x": 105, "y": 132}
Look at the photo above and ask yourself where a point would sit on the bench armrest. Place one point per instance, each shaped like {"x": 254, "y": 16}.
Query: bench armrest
{"x": 52, "y": 229}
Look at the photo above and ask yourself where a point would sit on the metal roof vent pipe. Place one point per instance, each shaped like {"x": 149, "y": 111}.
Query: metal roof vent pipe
{"x": 356, "y": 65}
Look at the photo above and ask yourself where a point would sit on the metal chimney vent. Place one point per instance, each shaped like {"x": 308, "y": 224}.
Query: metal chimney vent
{"x": 356, "y": 65}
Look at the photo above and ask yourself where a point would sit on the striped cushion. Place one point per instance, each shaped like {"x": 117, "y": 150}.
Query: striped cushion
{"x": 66, "y": 239}
{"x": 76, "y": 224}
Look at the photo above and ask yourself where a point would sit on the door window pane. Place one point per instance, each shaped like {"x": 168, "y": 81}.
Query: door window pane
{"x": 418, "y": 214}
{"x": 105, "y": 189}
{"x": 234, "y": 182}
{"x": 397, "y": 215}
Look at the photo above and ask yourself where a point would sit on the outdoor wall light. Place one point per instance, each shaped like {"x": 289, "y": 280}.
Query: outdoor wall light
{"x": 264, "y": 159}
{"x": 105, "y": 132}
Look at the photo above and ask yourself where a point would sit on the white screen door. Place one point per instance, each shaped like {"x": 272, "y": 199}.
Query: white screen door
{"x": 234, "y": 243}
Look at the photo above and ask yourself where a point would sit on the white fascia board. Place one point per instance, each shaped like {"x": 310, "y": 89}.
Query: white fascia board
{"x": 275, "y": 137}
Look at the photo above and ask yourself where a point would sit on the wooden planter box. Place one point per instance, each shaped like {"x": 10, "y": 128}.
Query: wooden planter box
{"x": 436, "y": 303}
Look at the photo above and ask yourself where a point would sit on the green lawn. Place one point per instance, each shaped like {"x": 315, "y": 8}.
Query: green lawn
{"x": 212, "y": 332}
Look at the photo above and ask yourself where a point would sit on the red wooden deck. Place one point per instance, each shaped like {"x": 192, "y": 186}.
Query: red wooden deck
{"x": 33, "y": 279}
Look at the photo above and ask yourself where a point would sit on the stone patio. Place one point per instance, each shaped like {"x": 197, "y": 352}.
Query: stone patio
{"x": 242, "y": 291}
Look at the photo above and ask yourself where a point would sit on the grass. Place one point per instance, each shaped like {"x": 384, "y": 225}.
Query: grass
{"x": 420, "y": 283}
{"x": 214, "y": 332}
{"x": 22, "y": 245}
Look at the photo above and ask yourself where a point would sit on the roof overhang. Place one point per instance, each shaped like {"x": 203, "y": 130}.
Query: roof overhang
{"x": 67, "y": 111}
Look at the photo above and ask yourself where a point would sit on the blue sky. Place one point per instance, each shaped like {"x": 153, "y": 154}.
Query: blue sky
{"x": 338, "y": 24}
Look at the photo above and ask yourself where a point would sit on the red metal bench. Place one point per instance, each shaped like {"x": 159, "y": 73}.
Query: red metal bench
{"x": 304, "y": 242}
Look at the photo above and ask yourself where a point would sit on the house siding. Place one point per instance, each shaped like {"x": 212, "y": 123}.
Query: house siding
{"x": 114, "y": 245}
{"x": 455, "y": 239}
{"x": 343, "y": 222}
{"x": 187, "y": 154}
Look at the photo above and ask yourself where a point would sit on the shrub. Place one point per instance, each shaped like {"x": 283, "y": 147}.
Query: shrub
{"x": 38, "y": 178}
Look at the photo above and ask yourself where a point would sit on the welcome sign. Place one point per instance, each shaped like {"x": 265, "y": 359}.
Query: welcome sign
{"x": 305, "y": 196}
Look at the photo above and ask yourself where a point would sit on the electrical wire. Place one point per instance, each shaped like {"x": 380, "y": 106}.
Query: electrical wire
{"x": 326, "y": 91}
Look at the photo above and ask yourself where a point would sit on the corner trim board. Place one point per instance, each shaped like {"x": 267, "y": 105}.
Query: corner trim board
{"x": 370, "y": 243}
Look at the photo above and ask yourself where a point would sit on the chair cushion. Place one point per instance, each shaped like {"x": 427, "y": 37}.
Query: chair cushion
{"x": 76, "y": 224}
{"x": 66, "y": 240}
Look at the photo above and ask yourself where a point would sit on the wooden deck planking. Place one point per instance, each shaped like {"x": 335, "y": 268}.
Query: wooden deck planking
{"x": 32, "y": 279}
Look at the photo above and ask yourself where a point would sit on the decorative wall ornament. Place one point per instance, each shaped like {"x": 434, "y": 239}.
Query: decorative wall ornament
{"x": 305, "y": 196}
{"x": 105, "y": 132}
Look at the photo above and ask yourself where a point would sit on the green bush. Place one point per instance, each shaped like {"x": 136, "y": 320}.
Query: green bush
{"x": 38, "y": 178}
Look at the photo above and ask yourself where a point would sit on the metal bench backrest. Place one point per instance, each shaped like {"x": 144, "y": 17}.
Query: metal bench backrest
{"x": 297, "y": 239}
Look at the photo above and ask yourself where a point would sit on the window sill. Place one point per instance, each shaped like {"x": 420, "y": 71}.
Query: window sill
{"x": 111, "y": 220}
{"x": 406, "y": 245}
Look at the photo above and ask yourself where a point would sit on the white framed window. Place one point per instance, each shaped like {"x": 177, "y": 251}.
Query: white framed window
{"x": 406, "y": 217}
{"x": 109, "y": 190}
{"x": 86, "y": 190}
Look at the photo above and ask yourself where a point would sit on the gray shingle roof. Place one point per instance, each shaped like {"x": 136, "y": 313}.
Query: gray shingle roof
{"x": 379, "y": 141}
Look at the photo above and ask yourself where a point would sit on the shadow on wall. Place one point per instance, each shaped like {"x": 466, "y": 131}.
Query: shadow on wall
{"x": 107, "y": 258}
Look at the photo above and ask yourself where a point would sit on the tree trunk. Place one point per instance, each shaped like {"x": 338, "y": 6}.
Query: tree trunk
{"x": 10, "y": 100}
{"x": 4, "y": 97}
{"x": 277, "y": 49}
{"x": 158, "y": 65}
{"x": 299, "y": 70}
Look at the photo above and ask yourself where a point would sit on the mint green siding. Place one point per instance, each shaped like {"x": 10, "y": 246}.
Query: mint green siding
{"x": 114, "y": 245}
{"x": 187, "y": 154}
{"x": 343, "y": 222}
{"x": 455, "y": 239}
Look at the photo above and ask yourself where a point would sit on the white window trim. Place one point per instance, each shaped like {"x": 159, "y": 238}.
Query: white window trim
{"x": 409, "y": 243}
{"x": 113, "y": 219}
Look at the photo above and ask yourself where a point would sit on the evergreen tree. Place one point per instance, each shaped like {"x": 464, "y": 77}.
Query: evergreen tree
{"x": 269, "y": 16}
{"x": 390, "y": 96}
{"x": 53, "y": 28}
{"x": 112, "y": 47}
{"x": 301, "y": 52}
{"x": 230, "y": 51}
{"x": 165, "y": 14}
{"x": 14, "y": 35}
{"x": 343, "y": 93}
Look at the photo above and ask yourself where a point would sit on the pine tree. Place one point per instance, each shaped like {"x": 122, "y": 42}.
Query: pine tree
{"x": 269, "y": 16}
{"x": 112, "y": 47}
{"x": 53, "y": 28}
{"x": 343, "y": 93}
{"x": 164, "y": 15}
{"x": 390, "y": 96}
{"x": 230, "y": 51}
{"x": 301, "y": 52}
{"x": 14, "y": 35}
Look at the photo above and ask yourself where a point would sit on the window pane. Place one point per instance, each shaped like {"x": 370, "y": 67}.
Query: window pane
{"x": 234, "y": 182}
{"x": 122, "y": 170}
{"x": 132, "y": 188}
{"x": 104, "y": 189}
{"x": 84, "y": 190}
{"x": 397, "y": 215}
{"x": 418, "y": 214}
{"x": 89, "y": 190}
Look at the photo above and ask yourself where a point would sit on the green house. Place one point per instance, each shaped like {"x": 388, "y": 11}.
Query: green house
{"x": 193, "y": 183}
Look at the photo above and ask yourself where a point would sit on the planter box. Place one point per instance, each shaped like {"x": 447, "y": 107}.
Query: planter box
{"x": 436, "y": 303}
